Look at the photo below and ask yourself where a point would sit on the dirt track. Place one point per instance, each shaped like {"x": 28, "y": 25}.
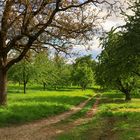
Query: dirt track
{"x": 45, "y": 129}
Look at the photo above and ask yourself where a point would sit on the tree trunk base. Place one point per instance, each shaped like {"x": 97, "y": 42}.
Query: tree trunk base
{"x": 127, "y": 97}
{"x": 3, "y": 87}
{"x": 127, "y": 100}
{"x": 3, "y": 99}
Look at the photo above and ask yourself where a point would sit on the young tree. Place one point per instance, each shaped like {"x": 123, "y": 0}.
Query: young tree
{"x": 52, "y": 72}
{"x": 43, "y": 68}
{"x": 22, "y": 73}
{"x": 83, "y": 71}
{"x": 109, "y": 71}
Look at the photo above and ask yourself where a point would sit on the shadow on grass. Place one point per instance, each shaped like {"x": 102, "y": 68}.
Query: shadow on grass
{"x": 28, "y": 90}
{"x": 69, "y": 100}
{"x": 18, "y": 114}
{"x": 17, "y": 89}
{"x": 99, "y": 90}
{"x": 121, "y": 125}
{"x": 21, "y": 110}
{"x": 106, "y": 100}
{"x": 51, "y": 88}
{"x": 136, "y": 95}
{"x": 113, "y": 95}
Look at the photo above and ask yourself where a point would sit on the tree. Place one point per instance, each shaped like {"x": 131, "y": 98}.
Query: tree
{"x": 83, "y": 71}
{"x": 52, "y": 72}
{"x": 109, "y": 71}
{"x": 22, "y": 73}
{"x": 43, "y": 67}
{"x": 119, "y": 62}
{"x": 24, "y": 24}
{"x": 129, "y": 50}
{"x": 62, "y": 71}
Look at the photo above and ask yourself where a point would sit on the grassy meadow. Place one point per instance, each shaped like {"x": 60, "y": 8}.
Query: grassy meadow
{"x": 115, "y": 120}
{"x": 38, "y": 104}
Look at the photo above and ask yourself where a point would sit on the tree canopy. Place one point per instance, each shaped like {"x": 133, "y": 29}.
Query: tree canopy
{"x": 119, "y": 62}
{"x": 83, "y": 71}
{"x": 32, "y": 24}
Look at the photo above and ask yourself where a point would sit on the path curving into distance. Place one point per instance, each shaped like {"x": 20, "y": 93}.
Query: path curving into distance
{"x": 31, "y": 130}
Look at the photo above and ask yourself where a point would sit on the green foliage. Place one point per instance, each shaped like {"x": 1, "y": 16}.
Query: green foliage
{"x": 44, "y": 68}
{"x": 63, "y": 71}
{"x": 129, "y": 45}
{"x": 85, "y": 60}
{"x": 83, "y": 76}
{"x": 109, "y": 72}
{"x": 22, "y": 72}
{"x": 83, "y": 71}
{"x": 52, "y": 72}
{"x": 119, "y": 62}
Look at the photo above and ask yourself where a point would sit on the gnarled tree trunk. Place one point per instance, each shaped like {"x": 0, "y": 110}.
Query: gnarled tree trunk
{"x": 125, "y": 90}
{"x": 3, "y": 87}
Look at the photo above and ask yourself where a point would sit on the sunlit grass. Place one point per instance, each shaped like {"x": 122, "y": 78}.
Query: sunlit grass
{"x": 116, "y": 119}
{"x": 36, "y": 105}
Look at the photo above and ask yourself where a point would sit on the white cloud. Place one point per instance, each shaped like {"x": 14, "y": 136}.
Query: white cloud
{"x": 95, "y": 48}
{"x": 112, "y": 21}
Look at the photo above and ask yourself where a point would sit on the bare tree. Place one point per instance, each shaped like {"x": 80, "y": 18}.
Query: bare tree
{"x": 56, "y": 23}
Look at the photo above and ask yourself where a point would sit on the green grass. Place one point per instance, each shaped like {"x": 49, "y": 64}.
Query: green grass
{"x": 86, "y": 131}
{"x": 126, "y": 115}
{"x": 39, "y": 104}
{"x": 116, "y": 120}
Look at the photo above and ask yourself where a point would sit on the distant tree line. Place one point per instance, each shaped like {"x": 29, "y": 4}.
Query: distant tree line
{"x": 53, "y": 72}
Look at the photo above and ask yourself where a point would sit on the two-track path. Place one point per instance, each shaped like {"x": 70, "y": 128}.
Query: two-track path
{"x": 45, "y": 129}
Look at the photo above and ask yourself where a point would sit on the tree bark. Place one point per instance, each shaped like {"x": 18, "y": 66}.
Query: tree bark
{"x": 24, "y": 86}
{"x": 127, "y": 96}
{"x": 3, "y": 87}
{"x": 44, "y": 86}
{"x": 125, "y": 90}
